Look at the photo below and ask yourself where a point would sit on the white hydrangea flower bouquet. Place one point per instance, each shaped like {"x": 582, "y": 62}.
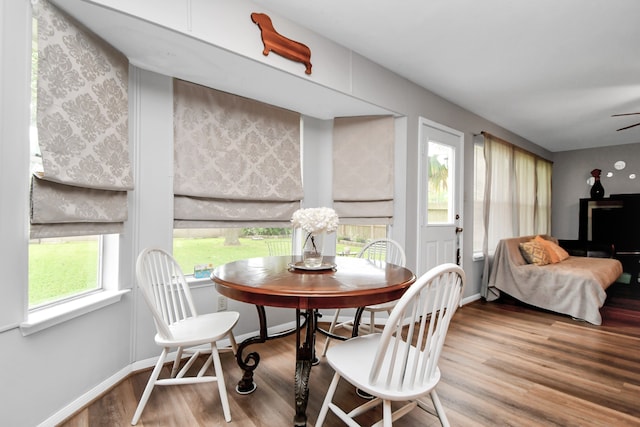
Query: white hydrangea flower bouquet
{"x": 315, "y": 222}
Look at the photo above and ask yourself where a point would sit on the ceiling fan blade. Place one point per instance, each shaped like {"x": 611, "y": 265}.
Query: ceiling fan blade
{"x": 627, "y": 127}
{"x": 624, "y": 114}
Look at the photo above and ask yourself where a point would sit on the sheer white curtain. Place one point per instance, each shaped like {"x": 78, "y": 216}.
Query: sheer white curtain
{"x": 498, "y": 213}
{"x": 525, "y": 192}
{"x": 517, "y": 196}
{"x": 543, "y": 199}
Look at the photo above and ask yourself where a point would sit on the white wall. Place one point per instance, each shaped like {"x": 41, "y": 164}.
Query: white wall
{"x": 49, "y": 373}
{"x": 572, "y": 169}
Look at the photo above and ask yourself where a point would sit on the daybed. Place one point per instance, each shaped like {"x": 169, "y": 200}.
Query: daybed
{"x": 574, "y": 286}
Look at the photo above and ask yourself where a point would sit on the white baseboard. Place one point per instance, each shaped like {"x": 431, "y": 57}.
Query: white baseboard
{"x": 470, "y": 299}
{"x": 86, "y": 398}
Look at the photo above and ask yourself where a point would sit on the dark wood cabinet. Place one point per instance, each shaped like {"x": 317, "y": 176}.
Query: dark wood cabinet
{"x": 614, "y": 220}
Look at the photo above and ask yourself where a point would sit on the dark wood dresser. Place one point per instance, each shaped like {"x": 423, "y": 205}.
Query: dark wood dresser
{"x": 614, "y": 220}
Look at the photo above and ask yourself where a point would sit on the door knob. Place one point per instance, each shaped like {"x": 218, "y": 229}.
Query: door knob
{"x": 459, "y": 230}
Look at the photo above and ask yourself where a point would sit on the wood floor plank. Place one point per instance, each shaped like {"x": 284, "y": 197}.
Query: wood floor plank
{"x": 503, "y": 364}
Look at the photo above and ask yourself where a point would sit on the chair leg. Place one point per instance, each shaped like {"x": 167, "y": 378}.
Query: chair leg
{"x": 149, "y": 388}
{"x": 327, "y": 400}
{"x": 372, "y": 322}
{"x": 331, "y": 329}
{"x": 234, "y": 344}
{"x": 387, "y": 415}
{"x": 439, "y": 408}
{"x": 220, "y": 379}
{"x": 176, "y": 363}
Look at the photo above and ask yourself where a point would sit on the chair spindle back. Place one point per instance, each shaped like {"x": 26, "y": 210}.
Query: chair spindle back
{"x": 164, "y": 288}
{"x": 414, "y": 335}
{"x": 384, "y": 250}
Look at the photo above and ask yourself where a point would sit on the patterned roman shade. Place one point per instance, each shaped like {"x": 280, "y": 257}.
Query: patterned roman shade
{"x": 236, "y": 160}
{"x": 363, "y": 158}
{"x": 82, "y": 121}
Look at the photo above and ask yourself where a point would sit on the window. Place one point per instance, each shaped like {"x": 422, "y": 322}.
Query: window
{"x": 237, "y": 177}
{"x": 206, "y": 248}
{"x": 79, "y": 159}
{"x": 512, "y": 193}
{"x": 352, "y": 237}
{"x": 62, "y": 268}
{"x": 59, "y": 268}
{"x": 478, "y": 197}
{"x": 440, "y": 199}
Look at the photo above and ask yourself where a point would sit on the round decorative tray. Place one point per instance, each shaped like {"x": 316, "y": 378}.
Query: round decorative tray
{"x": 300, "y": 266}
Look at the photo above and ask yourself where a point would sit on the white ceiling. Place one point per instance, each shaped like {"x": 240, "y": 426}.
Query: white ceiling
{"x": 551, "y": 71}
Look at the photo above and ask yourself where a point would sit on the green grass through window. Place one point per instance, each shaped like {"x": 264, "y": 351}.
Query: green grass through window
{"x": 190, "y": 252}
{"x": 60, "y": 270}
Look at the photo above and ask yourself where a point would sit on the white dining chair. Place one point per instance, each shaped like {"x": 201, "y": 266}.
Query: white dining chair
{"x": 401, "y": 363}
{"x": 381, "y": 251}
{"x": 279, "y": 247}
{"x": 179, "y": 326}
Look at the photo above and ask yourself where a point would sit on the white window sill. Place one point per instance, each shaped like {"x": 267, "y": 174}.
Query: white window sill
{"x": 47, "y": 317}
{"x": 198, "y": 282}
{"x": 478, "y": 256}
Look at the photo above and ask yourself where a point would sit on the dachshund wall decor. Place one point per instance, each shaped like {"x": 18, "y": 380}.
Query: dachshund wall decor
{"x": 276, "y": 43}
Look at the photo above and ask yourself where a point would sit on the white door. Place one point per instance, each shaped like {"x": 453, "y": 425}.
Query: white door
{"x": 440, "y": 191}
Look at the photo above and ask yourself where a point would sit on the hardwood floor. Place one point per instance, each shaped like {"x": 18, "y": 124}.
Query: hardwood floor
{"x": 504, "y": 364}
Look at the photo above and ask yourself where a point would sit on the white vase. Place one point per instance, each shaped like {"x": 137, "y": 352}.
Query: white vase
{"x": 312, "y": 249}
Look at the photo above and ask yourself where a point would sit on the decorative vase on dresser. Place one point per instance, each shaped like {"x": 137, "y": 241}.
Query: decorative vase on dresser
{"x": 597, "y": 190}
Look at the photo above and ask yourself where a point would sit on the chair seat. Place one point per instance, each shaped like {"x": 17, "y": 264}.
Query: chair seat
{"x": 386, "y": 306}
{"x": 203, "y": 329}
{"x": 357, "y": 369}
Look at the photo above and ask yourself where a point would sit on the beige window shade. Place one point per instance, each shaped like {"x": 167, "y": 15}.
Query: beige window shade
{"x": 82, "y": 121}
{"x": 236, "y": 160}
{"x": 363, "y": 158}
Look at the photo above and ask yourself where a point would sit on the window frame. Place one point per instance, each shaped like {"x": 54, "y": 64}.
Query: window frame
{"x": 478, "y": 198}
{"x": 99, "y": 242}
{"x": 77, "y": 305}
{"x": 107, "y": 289}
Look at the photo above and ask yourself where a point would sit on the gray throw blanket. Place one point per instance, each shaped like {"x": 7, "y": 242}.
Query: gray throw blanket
{"x": 575, "y": 286}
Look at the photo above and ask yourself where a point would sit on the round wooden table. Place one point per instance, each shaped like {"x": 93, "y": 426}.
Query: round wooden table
{"x": 273, "y": 281}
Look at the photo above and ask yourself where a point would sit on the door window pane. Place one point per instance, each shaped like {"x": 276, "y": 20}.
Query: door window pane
{"x": 439, "y": 209}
